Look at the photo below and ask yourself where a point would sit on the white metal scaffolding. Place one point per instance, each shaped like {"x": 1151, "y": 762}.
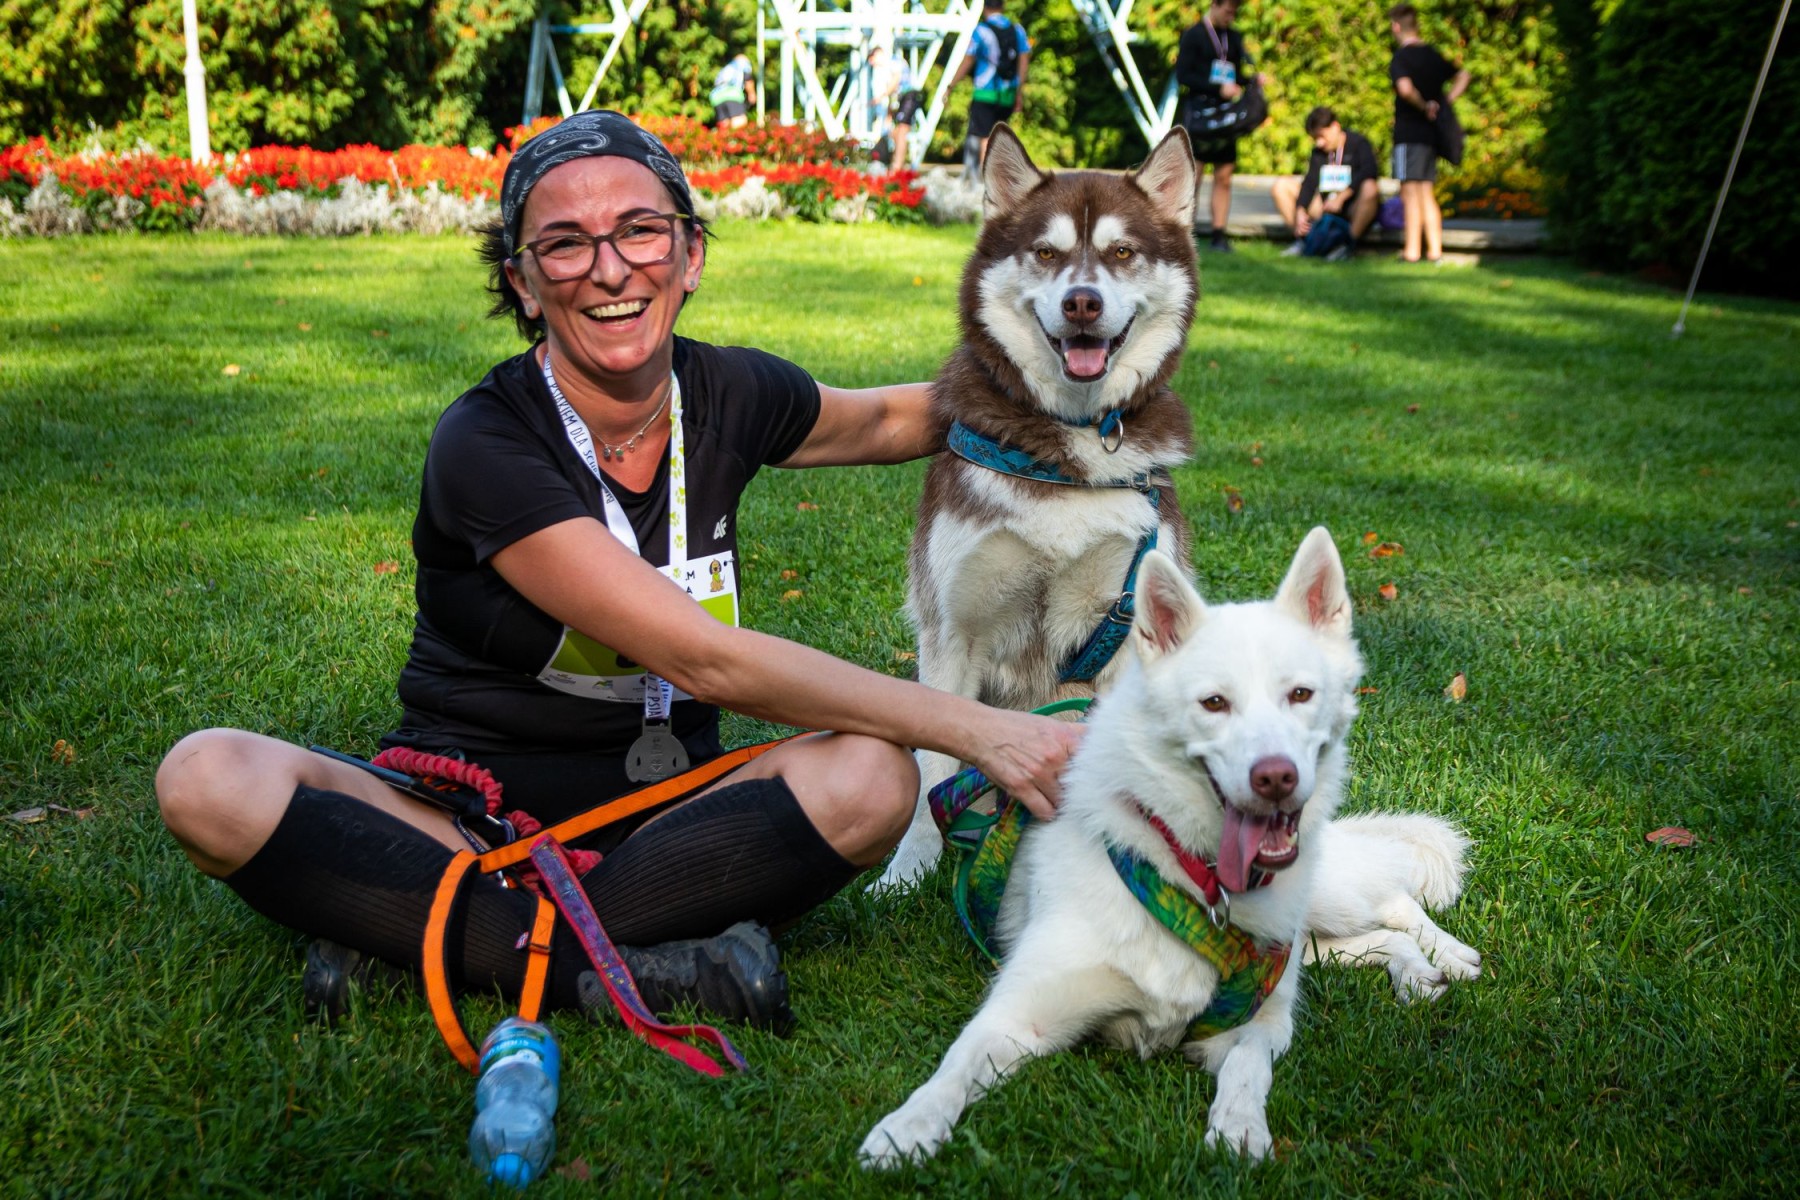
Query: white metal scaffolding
{"x": 823, "y": 48}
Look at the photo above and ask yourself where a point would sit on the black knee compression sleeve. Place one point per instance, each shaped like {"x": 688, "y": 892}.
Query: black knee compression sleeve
{"x": 339, "y": 868}
{"x": 743, "y": 852}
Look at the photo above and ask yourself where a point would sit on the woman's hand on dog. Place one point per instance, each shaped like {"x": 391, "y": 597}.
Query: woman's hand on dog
{"x": 1025, "y": 754}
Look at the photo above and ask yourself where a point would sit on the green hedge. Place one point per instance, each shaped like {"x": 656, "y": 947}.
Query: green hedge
{"x": 321, "y": 72}
{"x": 330, "y": 72}
{"x": 1655, "y": 96}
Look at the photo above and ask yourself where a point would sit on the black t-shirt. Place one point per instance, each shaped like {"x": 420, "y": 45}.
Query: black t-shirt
{"x": 500, "y": 467}
{"x": 1429, "y": 71}
{"x": 1194, "y": 60}
{"x": 1359, "y": 156}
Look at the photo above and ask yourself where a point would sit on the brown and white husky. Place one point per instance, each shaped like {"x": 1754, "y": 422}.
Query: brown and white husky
{"x": 1075, "y": 311}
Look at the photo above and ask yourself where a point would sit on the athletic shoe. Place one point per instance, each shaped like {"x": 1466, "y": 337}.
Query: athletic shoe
{"x": 733, "y": 976}
{"x": 1294, "y": 250}
{"x": 1341, "y": 254}
{"x": 332, "y": 970}
{"x": 1221, "y": 244}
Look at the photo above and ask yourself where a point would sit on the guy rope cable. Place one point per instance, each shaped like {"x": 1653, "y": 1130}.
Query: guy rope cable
{"x": 1780, "y": 22}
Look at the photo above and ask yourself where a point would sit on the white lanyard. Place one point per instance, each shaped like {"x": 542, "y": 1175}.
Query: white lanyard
{"x": 616, "y": 520}
{"x": 658, "y": 694}
{"x": 1221, "y": 46}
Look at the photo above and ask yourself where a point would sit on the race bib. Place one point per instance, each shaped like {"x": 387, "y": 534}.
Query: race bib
{"x": 583, "y": 667}
{"x": 1222, "y": 72}
{"x": 1334, "y": 177}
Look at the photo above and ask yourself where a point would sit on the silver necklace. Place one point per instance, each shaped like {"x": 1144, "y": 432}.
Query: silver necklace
{"x": 608, "y": 451}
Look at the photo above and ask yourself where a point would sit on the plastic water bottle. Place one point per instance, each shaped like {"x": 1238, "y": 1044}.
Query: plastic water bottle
{"x": 513, "y": 1136}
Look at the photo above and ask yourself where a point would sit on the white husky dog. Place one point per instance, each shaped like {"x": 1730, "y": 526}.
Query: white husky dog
{"x": 1216, "y": 761}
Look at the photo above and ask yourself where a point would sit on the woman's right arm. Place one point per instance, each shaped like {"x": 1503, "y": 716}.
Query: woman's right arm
{"x": 579, "y": 574}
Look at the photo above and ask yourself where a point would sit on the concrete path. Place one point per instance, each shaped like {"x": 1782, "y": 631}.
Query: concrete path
{"x": 1253, "y": 215}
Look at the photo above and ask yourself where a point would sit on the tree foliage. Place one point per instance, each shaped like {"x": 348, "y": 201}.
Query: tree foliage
{"x": 331, "y": 72}
{"x": 1654, "y": 98}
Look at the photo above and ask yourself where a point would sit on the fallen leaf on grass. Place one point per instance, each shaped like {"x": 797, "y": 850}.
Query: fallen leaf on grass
{"x": 306, "y": 327}
{"x": 1743, "y": 591}
{"x": 792, "y": 594}
{"x": 80, "y": 814}
{"x": 1212, "y": 364}
{"x": 1505, "y": 283}
{"x": 904, "y": 656}
{"x": 232, "y": 369}
{"x": 1371, "y": 537}
{"x": 1386, "y": 550}
{"x": 62, "y": 753}
{"x": 1671, "y": 835}
{"x": 1367, "y": 691}
{"x": 1234, "y": 502}
{"x": 377, "y": 333}
{"x": 28, "y": 816}
{"x": 1412, "y": 408}
{"x": 575, "y": 1170}
{"x": 790, "y": 574}
{"x": 1459, "y": 687}
{"x": 386, "y": 566}
{"x": 807, "y": 506}
{"x": 1388, "y": 591}
{"x": 1255, "y": 460}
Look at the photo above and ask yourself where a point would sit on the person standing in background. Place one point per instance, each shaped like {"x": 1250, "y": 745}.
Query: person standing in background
{"x": 733, "y": 92}
{"x": 1420, "y": 75}
{"x": 1212, "y": 65}
{"x": 895, "y": 96}
{"x": 999, "y": 56}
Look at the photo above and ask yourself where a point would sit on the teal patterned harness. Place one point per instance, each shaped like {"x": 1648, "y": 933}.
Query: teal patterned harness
{"x": 987, "y": 842}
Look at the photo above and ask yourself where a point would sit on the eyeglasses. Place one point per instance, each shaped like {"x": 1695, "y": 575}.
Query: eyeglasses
{"x": 639, "y": 242}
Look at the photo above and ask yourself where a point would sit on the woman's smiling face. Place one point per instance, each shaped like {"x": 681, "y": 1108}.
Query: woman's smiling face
{"x": 615, "y": 320}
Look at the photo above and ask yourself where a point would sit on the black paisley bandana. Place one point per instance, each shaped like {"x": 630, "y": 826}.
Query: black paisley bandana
{"x": 591, "y": 134}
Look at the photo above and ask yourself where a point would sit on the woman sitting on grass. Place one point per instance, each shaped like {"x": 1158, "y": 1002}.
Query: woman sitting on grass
{"x": 576, "y": 504}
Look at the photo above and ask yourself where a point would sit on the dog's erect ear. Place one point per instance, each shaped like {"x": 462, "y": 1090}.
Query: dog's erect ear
{"x": 1007, "y": 173}
{"x": 1167, "y": 177}
{"x": 1314, "y": 590}
{"x": 1168, "y": 607}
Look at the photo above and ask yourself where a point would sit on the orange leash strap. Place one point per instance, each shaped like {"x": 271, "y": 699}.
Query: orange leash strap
{"x": 537, "y": 970}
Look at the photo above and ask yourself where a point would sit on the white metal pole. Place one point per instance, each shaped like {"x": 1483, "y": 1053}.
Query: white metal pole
{"x": 199, "y": 141}
{"x": 1681, "y": 320}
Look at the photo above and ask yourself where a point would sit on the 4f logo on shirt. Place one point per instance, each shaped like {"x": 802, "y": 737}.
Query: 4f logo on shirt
{"x": 719, "y": 529}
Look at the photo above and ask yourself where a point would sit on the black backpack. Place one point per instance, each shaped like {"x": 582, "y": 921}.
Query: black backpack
{"x": 1006, "y": 67}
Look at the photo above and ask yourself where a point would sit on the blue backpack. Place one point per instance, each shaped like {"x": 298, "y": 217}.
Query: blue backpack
{"x": 1327, "y": 233}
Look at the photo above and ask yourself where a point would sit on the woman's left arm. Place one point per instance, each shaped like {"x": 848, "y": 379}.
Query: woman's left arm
{"x": 870, "y": 425}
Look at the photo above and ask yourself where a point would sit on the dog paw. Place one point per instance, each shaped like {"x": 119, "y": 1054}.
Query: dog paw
{"x": 1456, "y": 960}
{"x": 908, "y": 1134}
{"x": 1244, "y": 1133}
{"x": 1416, "y": 982}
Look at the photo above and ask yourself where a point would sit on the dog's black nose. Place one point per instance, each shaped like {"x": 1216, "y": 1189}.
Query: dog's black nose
{"x": 1274, "y": 778}
{"x": 1081, "y": 305}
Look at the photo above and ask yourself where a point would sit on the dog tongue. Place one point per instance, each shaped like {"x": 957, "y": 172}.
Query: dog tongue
{"x": 1085, "y": 357}
{"x": 1238, "y": 847}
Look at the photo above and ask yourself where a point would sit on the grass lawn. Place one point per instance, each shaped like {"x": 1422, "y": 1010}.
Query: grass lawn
{"x": 1599, "y": 531}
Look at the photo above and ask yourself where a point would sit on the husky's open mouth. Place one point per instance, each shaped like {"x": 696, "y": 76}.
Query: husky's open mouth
{"x": 1269, "y": 843}
{"x": 1086, "y": 358}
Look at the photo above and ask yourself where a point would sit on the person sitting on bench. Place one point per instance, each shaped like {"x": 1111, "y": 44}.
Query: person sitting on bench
{"x": 1341, "y": 179}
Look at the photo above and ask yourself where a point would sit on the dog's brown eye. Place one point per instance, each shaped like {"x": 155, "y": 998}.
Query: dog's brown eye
{"x": 1123, "y": 253}
{"x": 1300, "y": 695}
{"x": 1045, "y": 254}
{"x": 1215, "y": 704}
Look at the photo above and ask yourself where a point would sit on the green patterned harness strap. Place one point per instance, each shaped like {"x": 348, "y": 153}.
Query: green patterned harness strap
{"x": 987, "y": 842}
{"x": 1248, "y": 971}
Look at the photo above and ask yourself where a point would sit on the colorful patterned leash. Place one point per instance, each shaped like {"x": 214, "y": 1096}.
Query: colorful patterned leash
{"x": 985, "y": 840}
{"x": 552, "y": 863}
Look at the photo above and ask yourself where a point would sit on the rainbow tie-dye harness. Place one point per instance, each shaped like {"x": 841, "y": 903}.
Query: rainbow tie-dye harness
{"x": 987, "y": 842}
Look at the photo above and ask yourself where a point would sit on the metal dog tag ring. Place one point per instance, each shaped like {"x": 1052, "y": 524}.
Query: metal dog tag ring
{"x": 1116, "y": 436}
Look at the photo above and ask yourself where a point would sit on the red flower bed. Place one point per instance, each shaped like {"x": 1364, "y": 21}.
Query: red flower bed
{"x": 807, "y": 169}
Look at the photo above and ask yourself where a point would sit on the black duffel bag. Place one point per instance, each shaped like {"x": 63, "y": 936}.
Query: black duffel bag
{"x": 1449, "y": 134}
{"x": 1209, "y": 120}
